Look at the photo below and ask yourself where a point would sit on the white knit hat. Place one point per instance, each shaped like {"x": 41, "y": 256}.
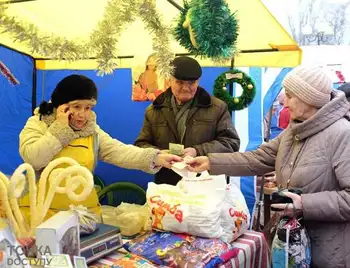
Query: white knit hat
{"x": 310, "y": 84}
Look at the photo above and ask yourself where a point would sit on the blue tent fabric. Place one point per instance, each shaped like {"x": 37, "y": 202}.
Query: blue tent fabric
{"x": 274, "y": 90}
{"x": 122, "y": 118}
{"x": 117, "y": 114}
{"x": 16, "y": 106}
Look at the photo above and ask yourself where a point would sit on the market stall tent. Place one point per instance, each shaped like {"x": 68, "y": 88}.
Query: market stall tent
{"x": 262, "y": 40}
{"x": 260, "y": 34}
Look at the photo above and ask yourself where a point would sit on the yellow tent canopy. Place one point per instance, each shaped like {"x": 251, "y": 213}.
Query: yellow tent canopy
{"x": 262, "y": 40}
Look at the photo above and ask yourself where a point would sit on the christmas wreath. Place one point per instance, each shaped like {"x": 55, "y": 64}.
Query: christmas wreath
{"x": 207, "y": 28}
{"x": 235, "y": 76}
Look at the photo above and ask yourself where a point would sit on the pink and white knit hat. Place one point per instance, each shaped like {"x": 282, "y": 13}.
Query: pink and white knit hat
{"x": 312, "y": 85}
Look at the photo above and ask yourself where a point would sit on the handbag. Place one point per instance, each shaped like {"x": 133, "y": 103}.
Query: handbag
{"x": 291, "y": 247}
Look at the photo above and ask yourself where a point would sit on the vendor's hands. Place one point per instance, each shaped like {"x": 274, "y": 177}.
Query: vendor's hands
{"x": 198, "y": 164}
{"x": 63, "y": 113}
{"x": 166, "y": 160}
{"x": 190, "y": 151}
{"x": 288, "y": 209}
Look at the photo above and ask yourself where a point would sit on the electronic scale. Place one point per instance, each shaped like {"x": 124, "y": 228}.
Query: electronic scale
{"x": 100, "y": 243}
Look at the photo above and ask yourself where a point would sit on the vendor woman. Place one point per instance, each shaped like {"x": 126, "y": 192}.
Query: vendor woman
{"x": 66, "y": 127}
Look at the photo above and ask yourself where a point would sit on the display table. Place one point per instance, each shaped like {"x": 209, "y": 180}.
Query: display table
{"x": 250, "y": 251}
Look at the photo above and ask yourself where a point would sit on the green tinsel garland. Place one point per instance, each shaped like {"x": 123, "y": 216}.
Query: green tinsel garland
{"x": 235, "y": 76}
{"x": 214, "y": 26}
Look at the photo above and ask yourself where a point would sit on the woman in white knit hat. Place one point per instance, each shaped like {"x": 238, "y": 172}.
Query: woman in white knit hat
{"x": 312, "y": 154}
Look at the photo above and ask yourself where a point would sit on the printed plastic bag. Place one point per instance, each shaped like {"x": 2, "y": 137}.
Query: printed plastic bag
{"x": 153, "y": 246}
{"x": 87, "y": 220}
{"x": 177, "y": 250}
{"x": 192, "y": 206}
{"x": 132, "y": 261}
{"x": 291, "y": 246}
{"x": 235, "y": 216}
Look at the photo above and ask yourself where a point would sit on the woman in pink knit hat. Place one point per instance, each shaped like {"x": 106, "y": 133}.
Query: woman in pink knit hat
{"x": 312, "y": 154}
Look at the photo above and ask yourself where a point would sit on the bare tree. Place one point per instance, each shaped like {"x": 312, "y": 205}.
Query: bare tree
{"x": 337, "y": 19}
{"x": 311, "y": 13}
{"x": 307, "y": 10}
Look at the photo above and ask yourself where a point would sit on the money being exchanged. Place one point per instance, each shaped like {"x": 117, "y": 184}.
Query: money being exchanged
{"x": 176, "y": 149}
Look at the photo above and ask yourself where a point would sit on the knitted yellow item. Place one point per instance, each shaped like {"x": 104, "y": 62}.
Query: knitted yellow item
{"x": 82, "y": 151}
{"x": 11, "y": 190}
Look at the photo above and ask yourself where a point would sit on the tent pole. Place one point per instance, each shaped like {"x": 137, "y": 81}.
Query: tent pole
{"x": 231, "y": 84}
{"x": 265, "y": 50}
{"x": 261, "y": 196}
{"x": 91, "y": 58}
{"x": 230, "y": 90}
{"x": 176, "y": 5}
{"x": 177, "y": 54}
{"x": 16, "y": 1}
{"x": 34, "y": 86}
{"x": 20, "y": 52}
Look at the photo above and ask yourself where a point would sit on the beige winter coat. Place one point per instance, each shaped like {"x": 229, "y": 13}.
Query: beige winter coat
{"x": 41, "y": 140}
{"x": 315, "y": 156}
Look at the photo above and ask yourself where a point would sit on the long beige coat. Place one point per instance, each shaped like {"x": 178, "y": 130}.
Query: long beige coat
{"x": 315, "y": 156}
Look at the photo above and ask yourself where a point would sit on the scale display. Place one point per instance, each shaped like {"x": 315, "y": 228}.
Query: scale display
{"x": 98, "y": 249}
{"x": 105, "y": 240}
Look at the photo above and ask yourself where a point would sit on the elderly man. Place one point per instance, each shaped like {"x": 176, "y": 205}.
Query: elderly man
{"x": 185, "y": 114}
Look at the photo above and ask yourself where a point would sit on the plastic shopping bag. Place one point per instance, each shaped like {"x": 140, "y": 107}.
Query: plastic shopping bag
{"x": 235, "y": 216}
{"x": 193, "y": 206}
{"x": 130, "y": 218}
{"x": 291, "y": 247}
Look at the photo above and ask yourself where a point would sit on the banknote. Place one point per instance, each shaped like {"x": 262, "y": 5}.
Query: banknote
{"x": 177, "y": 149}
{"x": 58, "y": 261}
{"x": 80, "y": 262}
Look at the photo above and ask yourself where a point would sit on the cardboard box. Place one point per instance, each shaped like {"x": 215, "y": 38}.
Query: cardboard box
{"x": 11, "y": 252}
{"x": 59, "y": 235}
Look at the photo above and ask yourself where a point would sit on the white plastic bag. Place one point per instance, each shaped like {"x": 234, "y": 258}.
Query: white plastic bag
{"x": 235, "y": 216}
{"x": 192, "y": 206}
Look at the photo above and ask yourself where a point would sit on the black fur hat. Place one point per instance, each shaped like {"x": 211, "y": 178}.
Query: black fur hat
{"x": 70, "y": 88}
